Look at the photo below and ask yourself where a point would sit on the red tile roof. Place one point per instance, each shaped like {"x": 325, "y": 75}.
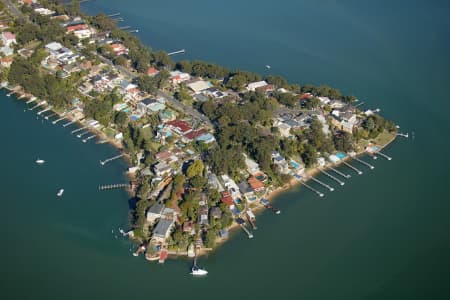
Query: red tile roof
{"x": 163, "y": 155}
{"x": 255, "y": 184}
{"x": 152, "y": 71}
{"x": 226, "y": 198}
{"x": 76, "y": 27}
{"x": 305, "y": 96}
{"x": 182, "y": 126}
{"x": 194, "y": 134}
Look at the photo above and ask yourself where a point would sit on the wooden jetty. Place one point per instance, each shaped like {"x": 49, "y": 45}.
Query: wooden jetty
{"x": 241, "y": 223}
{"x": 352, "y": 167}
{"x": 45, "y": 110}
{"x": 384, "y": 155}
{"x": 103, "y": 162}
{"x": 346, "y": 176}
{"x": 251, "y": 219}
{"x": 89, "y": 138}
{"x": 364, "y": 163}
{"x": 114, "y": 186}
{"x": 83, "y": 133}
{"x": 78, "y": 129}
{"x": 69, "y": 123}
{"x": 322, "y": 184}
{"x": 58, "y": 120}
{"x": 333, "y": 177}
{"x": 320, "y": 194}
{"x": 177, "y": 52}
{"x": 50, "y": 115}
{"x": 37, "y": 105}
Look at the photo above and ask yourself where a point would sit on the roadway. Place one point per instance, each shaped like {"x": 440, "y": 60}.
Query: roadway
{"x": 168, "y": 98}
{"x": 14, "y": 10}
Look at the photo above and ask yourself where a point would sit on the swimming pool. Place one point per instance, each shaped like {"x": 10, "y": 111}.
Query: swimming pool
{"x": 294, "y": 164}
{"x": 341, "y": 155}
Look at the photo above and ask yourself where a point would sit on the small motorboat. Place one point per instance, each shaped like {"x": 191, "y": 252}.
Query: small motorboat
{"x": 60, "y": 193}
{"x": 40, "y": 161}
{"x": 196, "y": 271}
{"x": 268, "y": 67}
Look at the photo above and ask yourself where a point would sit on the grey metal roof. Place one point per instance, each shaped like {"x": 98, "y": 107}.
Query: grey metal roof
{"x": 157, "y": 208}
{"x": 162, "y": 228}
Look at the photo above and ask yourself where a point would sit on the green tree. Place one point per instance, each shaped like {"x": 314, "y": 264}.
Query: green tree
{"x": 121, "y": 118}
{"x": 194, "y": 169}
{"x": 121, "y": 61}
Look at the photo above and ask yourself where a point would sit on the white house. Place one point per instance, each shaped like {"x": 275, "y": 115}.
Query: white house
{"x": 177, "y": 77}
{"x": 255, "y": 85}
{"x": 199, "y": 85}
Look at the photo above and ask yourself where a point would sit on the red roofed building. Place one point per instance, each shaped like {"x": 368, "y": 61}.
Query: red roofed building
{"x": 195, "y": 134}
{"x": 119, "y": 49}
{"x": 227, "y": 199}
{"x": 306, "y": 96}
{"x": 180, "y": 127}
{"x": 255, "y": 184}
{"x": 6, "y": 61}
{"x": 152, "y": 71}
{"x": 76, "y": 27}
{"x": 266, "y": 88}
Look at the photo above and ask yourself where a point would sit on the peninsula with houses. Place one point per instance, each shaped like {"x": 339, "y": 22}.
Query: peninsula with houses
{"x": 207, "y": 147}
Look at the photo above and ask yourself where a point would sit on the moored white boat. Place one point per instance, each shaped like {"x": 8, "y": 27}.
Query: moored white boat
{"x": 40, "y": 161}
{"x": 196, "y": 271}
{"x": 60, "y": 192}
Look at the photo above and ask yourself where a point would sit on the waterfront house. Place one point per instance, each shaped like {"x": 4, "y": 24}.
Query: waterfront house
{"x": 197, "y": 86}
{"x": 256, "y": 85}
{"x": 344, "y": 120}
{"x": 255, "y": 184}
{"x": 246, "y": 191}
{"x": 280, "y": 162}
{"x": 162, "y": 169}
{"x": 176, "y": 77}
{"x": 155, "y": 212}
{"x": 162, "y": 230}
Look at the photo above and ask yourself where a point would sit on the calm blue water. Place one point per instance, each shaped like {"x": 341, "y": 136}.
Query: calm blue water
{"x": 384, "y": 235}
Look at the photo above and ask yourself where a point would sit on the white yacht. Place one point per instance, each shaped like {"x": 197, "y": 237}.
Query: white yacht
{"x": 60, "y": 192}
{"x": 40, "y": 161}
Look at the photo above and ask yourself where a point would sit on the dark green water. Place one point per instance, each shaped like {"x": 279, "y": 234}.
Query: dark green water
{"x": 384, "y": 235}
